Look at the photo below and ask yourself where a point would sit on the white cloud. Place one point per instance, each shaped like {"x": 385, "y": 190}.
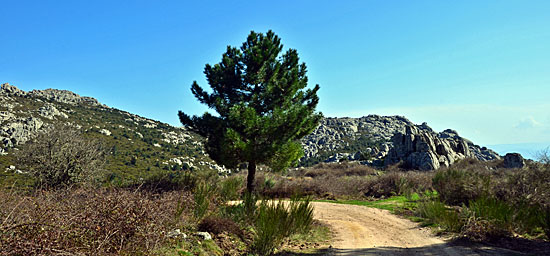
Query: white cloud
{"x": 528, "y": 123}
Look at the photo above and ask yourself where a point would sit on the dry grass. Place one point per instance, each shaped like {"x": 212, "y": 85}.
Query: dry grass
{"x": 337, "y": 169}
{"x": 343, "y": 180}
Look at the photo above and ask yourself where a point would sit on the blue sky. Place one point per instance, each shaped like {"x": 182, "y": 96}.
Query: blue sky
{"x": 479, "y": 67}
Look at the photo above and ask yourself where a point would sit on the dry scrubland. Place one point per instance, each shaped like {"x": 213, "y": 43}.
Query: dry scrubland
{"x": 163, "y": 216}
{"x": 476, "y": 201}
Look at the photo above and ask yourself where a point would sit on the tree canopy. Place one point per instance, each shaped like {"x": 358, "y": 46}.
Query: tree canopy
{"x": 262, "y": 103}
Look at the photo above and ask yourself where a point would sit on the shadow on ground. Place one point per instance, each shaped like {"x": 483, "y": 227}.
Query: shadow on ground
{"x": 506, "y": 247}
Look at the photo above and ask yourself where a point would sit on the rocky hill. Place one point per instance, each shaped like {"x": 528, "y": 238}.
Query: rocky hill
{"x": 384, "y": 140}
{"x": 139, "y": 147}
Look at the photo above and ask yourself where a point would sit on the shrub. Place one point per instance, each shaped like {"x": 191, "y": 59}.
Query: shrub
{"x": 202, "y": 194}
{"x": 479, "y": 229}
{"x": 437, "y": 213}
{"x": 271, "y": 227}
{"x": 87, "y": 222}
{"x": 164, "y": 181}
{"x": 457, "y": 187}
{"x": 230, "y": 188}
{"x": 274, "y": 222}
{"x": 61, "y": 156}
{"x": 398, "y": 183}
{"x": 530, "y": 189}
{"x": 338, "y": 169}
{"x": 243, "y": 213}
{"x": 218, "y": 225}
{"x": 497, "y": 211}
{"x": 301, "y": 215}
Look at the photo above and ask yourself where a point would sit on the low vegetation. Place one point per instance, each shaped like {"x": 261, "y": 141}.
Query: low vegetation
{"x": 145, "y": 220}
{"x": 475, "y": 200}
{"x": 61, "y": 156}
{"x": 68, "y": 208}
{"x": 88, "y": 221}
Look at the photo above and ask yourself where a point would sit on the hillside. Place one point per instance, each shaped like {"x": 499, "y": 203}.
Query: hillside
{"x": 139, "y": 147}
{"x": 383, "y": 140}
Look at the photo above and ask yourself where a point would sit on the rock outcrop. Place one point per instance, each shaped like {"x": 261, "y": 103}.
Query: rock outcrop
{"x": 19, "y": 131}
{"x": 513, "y": 160}
{"x": 339, "y": 135}
{"x": 63, "y": 96}
{"x": 384, "y": 140}
{"x": 419, "y": 147}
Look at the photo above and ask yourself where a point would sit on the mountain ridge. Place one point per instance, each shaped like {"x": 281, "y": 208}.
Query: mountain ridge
{"x": 373, "y": 140}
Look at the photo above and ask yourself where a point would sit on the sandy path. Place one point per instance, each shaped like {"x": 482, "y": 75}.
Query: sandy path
{"x": 361, "y": 230}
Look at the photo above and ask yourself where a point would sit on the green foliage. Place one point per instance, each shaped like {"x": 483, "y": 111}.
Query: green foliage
{"x": 488, "y": 208}
{"x": 161, "y": 181}
{"x": 275, "y": 222}
{"x": 263, "y": 109}
{"x": 230, "y": 188}
{"x": 249, "y": 205}
{"x": 435, "y": 212}
{"x": 300, "y": 214}
{"x": 202, "y": 195}
{"x": 457, "y": 187}
{"x": 270, "y": 227}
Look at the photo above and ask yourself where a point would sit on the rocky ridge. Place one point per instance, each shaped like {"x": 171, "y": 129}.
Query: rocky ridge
{"x": 373, "y": 140}
{"x": 384, "y": 140}
{"x": 134, "y": 139}
{"x": 419, "y": 147}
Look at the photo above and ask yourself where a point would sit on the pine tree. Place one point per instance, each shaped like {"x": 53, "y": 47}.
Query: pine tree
{"x": 263, "y": 106}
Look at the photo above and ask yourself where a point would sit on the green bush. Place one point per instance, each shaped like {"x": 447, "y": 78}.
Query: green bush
{"x": 275, "y": 222}
{"x": 301, "y": 215}
{"x": 457, "y": 187}
{"x": 497, "y": 211}
{"x": 243, "y": 213}
{"x": 202, "y": 195}
{"x": 270, "y": 226}
{"x": 437, "y": 213}
{"x": 163, "y": 181}
{"x": 230, "y": 188}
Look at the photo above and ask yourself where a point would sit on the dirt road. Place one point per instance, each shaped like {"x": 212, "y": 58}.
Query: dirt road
{"x": 361, "y": 230}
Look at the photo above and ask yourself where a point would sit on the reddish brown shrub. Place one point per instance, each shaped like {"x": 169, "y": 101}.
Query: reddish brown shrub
{"x": 93, "y": 222}
{"x": 218, "y": 225}
{"x": 338, "y": 169}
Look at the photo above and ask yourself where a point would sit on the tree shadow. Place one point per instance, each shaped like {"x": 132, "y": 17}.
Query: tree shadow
{"x": 505, "y": 247}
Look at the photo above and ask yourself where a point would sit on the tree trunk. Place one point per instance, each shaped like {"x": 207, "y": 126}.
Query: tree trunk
{"x": 547, "y": 221}
{"x": 250, "y": 178}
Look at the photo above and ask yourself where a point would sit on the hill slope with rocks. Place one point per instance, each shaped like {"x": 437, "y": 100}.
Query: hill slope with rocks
{"x": 138, "y": 147}
{"x": 385, "y": 140}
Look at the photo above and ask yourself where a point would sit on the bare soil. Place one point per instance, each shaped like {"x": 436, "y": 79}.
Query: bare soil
{"x": 360, "y": 230}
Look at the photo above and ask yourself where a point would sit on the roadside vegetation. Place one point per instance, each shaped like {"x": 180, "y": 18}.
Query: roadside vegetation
{"x": 165, "y": 214}
{"x": 472, "y": 200}
{"x": 83, "y": 219}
